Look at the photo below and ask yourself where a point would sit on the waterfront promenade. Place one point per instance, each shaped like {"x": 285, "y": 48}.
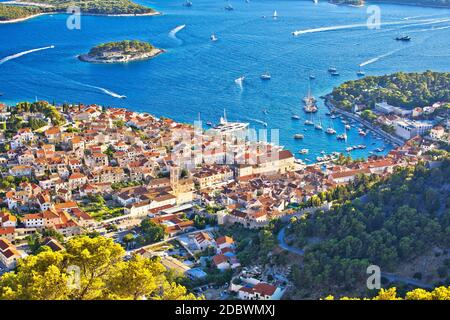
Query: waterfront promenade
{"x": 396, "y": 141}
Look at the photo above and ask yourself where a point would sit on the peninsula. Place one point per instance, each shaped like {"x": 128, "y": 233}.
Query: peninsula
{"x": 121, "y": 52}
{"x": 19, "y": 10}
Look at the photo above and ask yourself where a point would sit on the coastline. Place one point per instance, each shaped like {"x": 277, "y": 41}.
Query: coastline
{"x": 393, "y": 139}
{"x": 154, "y": 13}
{"x": 26, "y": 18}
{"x": 413, "y": 4}
{"x": 150, "y": 55}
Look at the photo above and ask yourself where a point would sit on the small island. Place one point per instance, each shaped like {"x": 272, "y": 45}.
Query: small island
{"x": 121, "y": 52}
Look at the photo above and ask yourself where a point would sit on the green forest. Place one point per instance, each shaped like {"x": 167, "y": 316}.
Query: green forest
{"x": 16, "y": 12}
{"x": 395, "y": 222}
{"x": 8, "y": 12}
{"x": 407, "y": 90}
{"x": 126, "y": 46}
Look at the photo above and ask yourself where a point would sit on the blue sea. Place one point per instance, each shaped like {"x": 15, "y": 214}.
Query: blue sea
{"x": 197, "y": 76}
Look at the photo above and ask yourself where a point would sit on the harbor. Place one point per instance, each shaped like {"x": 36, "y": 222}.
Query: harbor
{"x": 396, "y": 141}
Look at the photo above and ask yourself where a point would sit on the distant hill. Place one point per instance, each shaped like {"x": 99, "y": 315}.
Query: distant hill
{"x": 435, "y": 3}
{"x": 100, "y": 7}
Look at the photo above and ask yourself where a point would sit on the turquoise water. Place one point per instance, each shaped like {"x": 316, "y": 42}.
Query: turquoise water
{"x": 197, "y": 75}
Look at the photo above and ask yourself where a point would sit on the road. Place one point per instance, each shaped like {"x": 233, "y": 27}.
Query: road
{"x": 389, "y": 276}
{"x": 413, "y": 282}
{"x": 282, "y": 243}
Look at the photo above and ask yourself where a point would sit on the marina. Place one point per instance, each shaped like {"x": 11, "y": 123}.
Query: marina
{"x": 212, "y": 47}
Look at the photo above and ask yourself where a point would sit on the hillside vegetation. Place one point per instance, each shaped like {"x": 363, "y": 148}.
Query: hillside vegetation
{"x": 125, "y": 47}
{"x": 440, "y": 293}
{"x": 105, "y": 7}
{"x": 398, "y": 220}
{"x": 17, "y": 12}
{"x": 408, "y": 90}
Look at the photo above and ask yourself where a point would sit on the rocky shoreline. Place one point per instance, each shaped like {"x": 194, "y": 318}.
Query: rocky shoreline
{"x": 122, "y": 58}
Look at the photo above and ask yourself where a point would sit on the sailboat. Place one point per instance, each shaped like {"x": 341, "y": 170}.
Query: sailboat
{"x": 330, "y": 129}
{"x": 318, "y": 126}
{"x": 213, "y": 37}
{"x": 275, "y": 14}
{"x": 309, "y": 122}
{"x": 309, "y": 99}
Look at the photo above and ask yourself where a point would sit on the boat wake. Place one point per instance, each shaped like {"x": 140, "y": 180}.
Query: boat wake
{"x": 17, "y": 55}
{"x": 258, "y": 121}
{"x": 432, "y": 29}
{"x": 364, "y": 25}
{"x": 174, "y": 31}
{"x": 108, "y": 92}
{"x": 378, "y": 58}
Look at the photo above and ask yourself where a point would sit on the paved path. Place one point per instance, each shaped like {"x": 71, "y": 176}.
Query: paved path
{"x": 396, "y": 278}
{"x": 282, "y": 243}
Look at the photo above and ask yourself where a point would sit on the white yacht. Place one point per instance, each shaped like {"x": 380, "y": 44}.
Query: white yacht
{"x": 304, "y": 151}
{"x": 227, "y": 128}
{"x": 266, "y": 76}
{"x": 240, "y": 80}
{"x": 229, "y": 7}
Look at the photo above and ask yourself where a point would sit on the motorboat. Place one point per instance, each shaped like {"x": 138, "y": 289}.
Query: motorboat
{"x": 266, "y": 76}
{"x": 304, "y": 151}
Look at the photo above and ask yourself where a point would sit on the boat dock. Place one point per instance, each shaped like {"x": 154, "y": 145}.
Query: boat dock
{"x": 396, "y": 141}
